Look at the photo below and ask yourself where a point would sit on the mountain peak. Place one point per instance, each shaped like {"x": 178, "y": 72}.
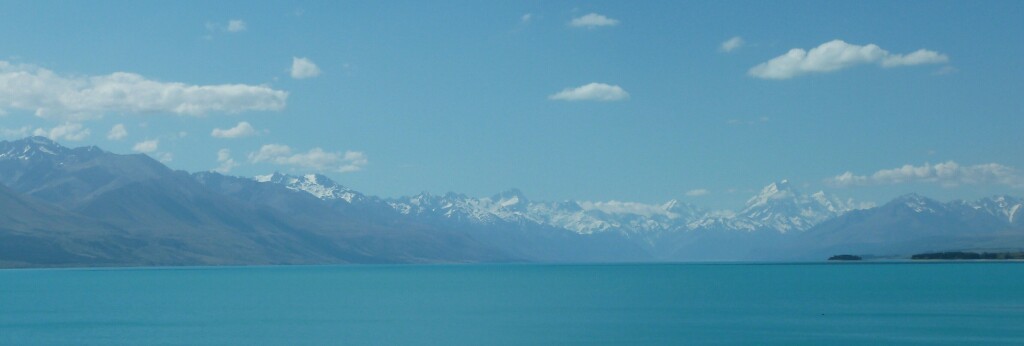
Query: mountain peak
{"x": 315, "y": 184}
{"x": 671, "y": 204}
{"x": 276, "y": 177}
{"x": 917, "y": 203}
{"x": 37, "y": 147}
{"x": 314, "y": 178}
{"x": 511, "y": 198}
{"x": 774, "y": 191}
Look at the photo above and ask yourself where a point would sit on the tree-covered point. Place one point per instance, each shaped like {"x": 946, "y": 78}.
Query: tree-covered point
{"x": 960, "y": 255}
{"x": 844, "y": 258}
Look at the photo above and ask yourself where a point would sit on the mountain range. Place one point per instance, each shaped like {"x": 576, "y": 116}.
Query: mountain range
{"x": 88, "y": 207}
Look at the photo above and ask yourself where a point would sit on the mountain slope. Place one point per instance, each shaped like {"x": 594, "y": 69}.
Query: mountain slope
{"x": 85, "y": 206}
{"x": 912, "y": 224}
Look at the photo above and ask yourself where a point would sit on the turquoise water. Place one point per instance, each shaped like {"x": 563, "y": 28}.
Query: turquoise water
{"x": 951, "y": 303}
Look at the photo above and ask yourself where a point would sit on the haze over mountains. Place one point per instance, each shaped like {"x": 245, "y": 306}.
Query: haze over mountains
{"x": 88, "y": 207}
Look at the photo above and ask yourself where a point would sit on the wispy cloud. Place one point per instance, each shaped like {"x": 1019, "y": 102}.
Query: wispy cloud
{"x": 592, "y": 20}
{"x": 947, "y": 174}
{"x": 759, "y": 120}
{"x": 50, "y": 95}
{"x": 591, "y": 92}
{"x": 945, "y": 70}
{"x": 236, "y": 25}
{"x": 165, "y": 157}
{"x": 526, "y": 18}
{"x": 303, "y": 68}
{"x": 698, "y": 192}
{"x": 66, "y": 131}
{"x": 232, "y": 26}
{"x": 226, "y": 162}
{"x": 836, "y": 55}
{"x": 732, "y": 44}
{"x": 17, "y": 133}
{"x": 316, "y": 158}
{"x": 243, "y": 129}
{"x": 118, "y": 132}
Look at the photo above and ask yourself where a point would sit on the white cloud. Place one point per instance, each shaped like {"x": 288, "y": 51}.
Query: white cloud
{"x": 226, "y": 162}
{"x": 68, "y": 131}
{"x": 947, "y": 174}
{"x": 243, "y": 129}
{"x": 526, "y": 18}
{"x": 18, "y": 133}
{"x": 303, "y": 68}
{"x": 591, "y": 92}
{"x": 836, "y": 55}
{"x": 593, "y": 20}
{"x": 316, "y": 158}
{"x": 165, "y": 157}
{"x": 117, "y": 132}
{"x": 732, "y": 44}
{"x": 233, "y": 26}
{"x": 147, "y": 146}
{"x": 918, "y": 57}
{"x": 50, "y": 95}
{"x": 697, "y": 192}
{"x": 236, "y": 25}
{"x": 635, "y": 208}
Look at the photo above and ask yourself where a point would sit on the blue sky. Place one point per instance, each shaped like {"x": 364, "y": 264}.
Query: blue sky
{"x": 477, "y": 97}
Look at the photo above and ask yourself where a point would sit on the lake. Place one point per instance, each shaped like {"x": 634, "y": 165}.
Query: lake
{"x": 629, "y": 304}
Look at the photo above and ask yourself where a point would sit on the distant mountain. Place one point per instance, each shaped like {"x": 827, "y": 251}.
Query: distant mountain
{"x": 317, "y": 185}
{"x": 912, "y": 224}
{"x": 70, "y": 177}
{"x": 85, "y": 206}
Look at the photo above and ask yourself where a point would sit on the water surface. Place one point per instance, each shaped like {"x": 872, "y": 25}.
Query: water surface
{"x": 518, "y": 304}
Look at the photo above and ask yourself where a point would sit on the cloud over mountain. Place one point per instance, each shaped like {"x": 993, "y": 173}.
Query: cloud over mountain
{"x": 948, "y": 173}
{"x": 147, "y": 146}
{"x": 50, "y": 95}
{"x": 226, "y": 162}
{"x": 316, "y": 158}
{"x": 67, "y": 131}
{"x": 117, "y": 132}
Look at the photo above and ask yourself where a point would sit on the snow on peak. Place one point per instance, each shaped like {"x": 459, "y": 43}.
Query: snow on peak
{"x": 918, "y": 203}
{"x": 317, "y": 185}
{"x": 42, "y": 148}
{"x": 774, "y": 191}
{"x": 275, "y": 177}
{"x": 778, "y": 206}
{"x": 1003, "y": 206}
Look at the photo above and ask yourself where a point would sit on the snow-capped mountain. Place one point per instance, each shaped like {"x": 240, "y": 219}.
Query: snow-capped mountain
{"x": 43, "y": 149}
{"x": 679, "y": 230}
{"x": 93, "y": 207}
{"x": 779, "y": 207}
{"x": 508, "y": 206}
{"x": 315, "y": 184}
{"x": 1009, "y": 208}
